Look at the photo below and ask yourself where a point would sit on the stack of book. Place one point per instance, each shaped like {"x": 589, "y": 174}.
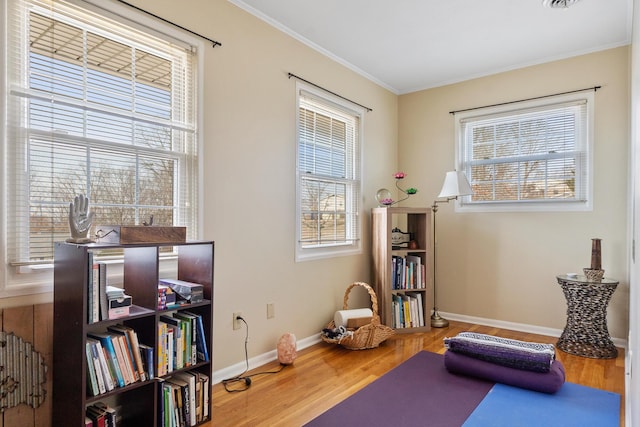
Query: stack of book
{"x": 104, "y": 302}
{"x": 181, "y": 341}
{"x": 185, "y": 399}
{"x": 407, "y": 310}
{"x": 166, "y": 297}
{"x": 407, "y": 272}
{"x": 185, "y": 291}
{"x": 100, "y": 415}
{"x": 115, "y": 359}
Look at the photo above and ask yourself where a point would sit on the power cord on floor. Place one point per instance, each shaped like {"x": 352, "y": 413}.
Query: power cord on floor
{"x": 243, "y": 380}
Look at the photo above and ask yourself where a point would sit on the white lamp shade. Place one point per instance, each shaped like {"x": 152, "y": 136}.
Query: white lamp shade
{"x": 455, "y": 184}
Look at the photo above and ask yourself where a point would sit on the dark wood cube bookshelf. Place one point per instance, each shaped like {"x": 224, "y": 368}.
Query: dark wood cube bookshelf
{"x": 136, "y": 403}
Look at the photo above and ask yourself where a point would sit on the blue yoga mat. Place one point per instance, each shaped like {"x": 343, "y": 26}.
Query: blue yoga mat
{"x": 573, "y": 405}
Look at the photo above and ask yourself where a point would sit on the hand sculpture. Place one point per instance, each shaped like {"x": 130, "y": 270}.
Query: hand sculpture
{"x": 80, "y": 220}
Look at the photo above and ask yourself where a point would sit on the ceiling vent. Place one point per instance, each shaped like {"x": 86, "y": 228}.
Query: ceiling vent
{"x": 558, "y": 4}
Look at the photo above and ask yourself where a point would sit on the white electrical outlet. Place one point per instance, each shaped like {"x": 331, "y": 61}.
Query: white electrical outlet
{"x": 237, "y": 323}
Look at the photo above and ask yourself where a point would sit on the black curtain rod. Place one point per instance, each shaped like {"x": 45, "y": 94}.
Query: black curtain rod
{"x": 595, "y": 88}
{"x": 214, "y": 43}
{"x": 326, "y": 90}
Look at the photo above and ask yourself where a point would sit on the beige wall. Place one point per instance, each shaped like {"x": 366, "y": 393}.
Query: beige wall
{"x": 632, "y": 404}
{"x": 502, "y": 266}
{"x": 249, "y": 176}
{"x": 495, "y": 266}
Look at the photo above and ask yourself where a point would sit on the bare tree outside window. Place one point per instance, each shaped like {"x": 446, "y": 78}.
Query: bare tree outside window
{"x": 526, "y": 155}
{"x": 106, "y": 117}
{"x": 328, "y": 175}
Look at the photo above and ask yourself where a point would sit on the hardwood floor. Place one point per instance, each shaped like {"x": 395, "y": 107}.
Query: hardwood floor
{"x": 324, "y": 375}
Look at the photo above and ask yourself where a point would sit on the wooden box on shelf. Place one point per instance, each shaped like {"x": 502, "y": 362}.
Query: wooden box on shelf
{"x": 137, "y": 398}
{"x": 403, "y": 276}
{"x": 128, "y": 234}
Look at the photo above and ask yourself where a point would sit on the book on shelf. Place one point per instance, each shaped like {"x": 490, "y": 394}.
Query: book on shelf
{"x": 201, "y": 342}
{"x": 204, "y": 380}
{"x": 97, "y": 364}
{"x": 406, "y": 310}
{"x": 178, "y": 340}
{"x": 198, "y": 398}
{"x": 102, "y": 414}
{"x": 182, "y": 396}
{"x": 93, "y": 304}
{"x": 95, "y": 382}
{"x": 191, "y": 336}
{"x": 396, "y": 308}
{"x": 190, "y": 398}
{"x": 99, "y": 353}
{"x": 102, "y": 289}
{"x": 187, "y": 344}
{"x": 122, "y": 360}
{"x": 110, "y": 355}
{"x": 148, "y": 361}
{"x": 163, "y": 404}
{"x": 171, "y": 411}
{"x": 161, "y": 367}
{"x": 419, "y": 304}
{"x": 128, "y": 355}
{"x": 97, "y": 416}
{"x": 415, "y": 265}
{"x": 165, "y": 348}
{"x": 178, "y": 403}
{"x": 133, "y": 349}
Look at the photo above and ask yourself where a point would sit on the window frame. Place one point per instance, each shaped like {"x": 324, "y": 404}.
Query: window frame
{"x": 585, "y": 144}
{"x": 338, "y": 249}
{"x": 22, "y": 279}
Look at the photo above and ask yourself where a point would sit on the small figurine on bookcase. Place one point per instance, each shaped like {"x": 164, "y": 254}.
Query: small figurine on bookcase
{"x": 80, "y": 220}
{"x": 383, "y": 196}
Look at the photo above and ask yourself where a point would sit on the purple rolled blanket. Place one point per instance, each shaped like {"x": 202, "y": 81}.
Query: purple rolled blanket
{"x": 545, "y": 382}
{"x": 535, "y": 357}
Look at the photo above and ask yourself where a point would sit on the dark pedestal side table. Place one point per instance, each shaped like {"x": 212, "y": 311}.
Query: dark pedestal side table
{"x": 586, "y": 332}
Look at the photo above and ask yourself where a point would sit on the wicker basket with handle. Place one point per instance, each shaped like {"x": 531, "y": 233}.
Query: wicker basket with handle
{"x": 367, "y": 336}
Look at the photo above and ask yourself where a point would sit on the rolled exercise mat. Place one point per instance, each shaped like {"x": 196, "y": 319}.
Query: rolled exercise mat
{"x": 545, "y": 382}
{"x": 341, "y": 316}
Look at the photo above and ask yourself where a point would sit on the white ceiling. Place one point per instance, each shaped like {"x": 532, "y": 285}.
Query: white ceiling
{"x": 409, "y": 45}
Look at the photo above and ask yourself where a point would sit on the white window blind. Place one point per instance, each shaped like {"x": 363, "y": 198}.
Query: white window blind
{"x": 328, "y": 177}
{"x": 95, "y": 107}
{"x": 531, "y": 156}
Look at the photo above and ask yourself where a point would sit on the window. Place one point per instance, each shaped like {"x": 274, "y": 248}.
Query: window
{"x": 534, "y": 156}
{"x": 95, "y": 107}
{"x": 328, "y": 176}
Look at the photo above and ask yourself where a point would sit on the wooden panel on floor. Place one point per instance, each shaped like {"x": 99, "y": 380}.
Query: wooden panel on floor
{"x": 43, "y": 343}
{"x": 20, "y": 322}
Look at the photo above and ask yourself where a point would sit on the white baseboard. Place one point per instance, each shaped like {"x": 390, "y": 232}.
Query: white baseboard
{"x": 263, "y": 359}
{"x": 522, "y": 327}
{"x": 259, "y": 360}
